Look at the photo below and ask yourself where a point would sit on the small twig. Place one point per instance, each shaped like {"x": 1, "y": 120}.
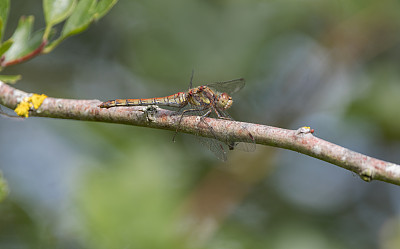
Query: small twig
{"x": 300, "y": 140}
{"x": 3, "y": 113}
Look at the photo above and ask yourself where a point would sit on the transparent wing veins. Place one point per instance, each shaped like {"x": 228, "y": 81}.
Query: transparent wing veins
{"x": 230, "y": 87}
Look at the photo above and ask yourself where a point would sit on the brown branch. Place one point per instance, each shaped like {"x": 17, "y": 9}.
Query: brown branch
{"x": 300, "y": 140}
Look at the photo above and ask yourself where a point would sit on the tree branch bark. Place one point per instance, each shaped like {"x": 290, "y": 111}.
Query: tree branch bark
{"x": 300, "y": 140}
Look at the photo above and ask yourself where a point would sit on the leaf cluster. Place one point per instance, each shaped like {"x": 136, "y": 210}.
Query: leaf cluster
{"x": 24, "y": 44}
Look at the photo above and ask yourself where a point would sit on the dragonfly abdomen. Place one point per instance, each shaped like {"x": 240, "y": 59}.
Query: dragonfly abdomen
{"x": 175, "y": 100}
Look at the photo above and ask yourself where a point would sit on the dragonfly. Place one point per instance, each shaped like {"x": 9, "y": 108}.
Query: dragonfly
{"x": 210, "y": 100}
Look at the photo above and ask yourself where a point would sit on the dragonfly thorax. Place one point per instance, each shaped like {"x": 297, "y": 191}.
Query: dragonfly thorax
{"x": 224, "y": 101}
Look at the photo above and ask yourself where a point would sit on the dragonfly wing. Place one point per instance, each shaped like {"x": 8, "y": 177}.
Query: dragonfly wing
{"x": 215, "y": 146}
{"x": 230, "y": 87}
{"x": 246, "y": 143}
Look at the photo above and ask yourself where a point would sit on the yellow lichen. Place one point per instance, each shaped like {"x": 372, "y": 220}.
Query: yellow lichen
{"x": 23, "y": 109}
{"x": 34, "y": 101}
{"x": 37, "y": 100}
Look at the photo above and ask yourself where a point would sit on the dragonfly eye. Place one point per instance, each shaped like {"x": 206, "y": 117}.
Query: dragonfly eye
{"x": 224, "y": 101}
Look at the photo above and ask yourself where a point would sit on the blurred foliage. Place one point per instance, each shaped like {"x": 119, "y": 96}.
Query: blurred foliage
{"x": 3, "y": 187}
{"x": 331, "y": 65}
{"x": 378, "y": 104}
{"x": 129, "y": 204}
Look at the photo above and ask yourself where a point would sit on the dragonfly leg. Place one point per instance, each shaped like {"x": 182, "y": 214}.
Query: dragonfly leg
{"x": 209, "y": 127}
{"x": 218, "y": 145}
{"x": 180, "y": 120}
{"x": 206, "y": 114}
{"x": 221, "y": 116}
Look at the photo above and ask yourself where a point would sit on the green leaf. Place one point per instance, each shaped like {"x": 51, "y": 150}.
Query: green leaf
{"x": 20, "y": 37}
{"x": 10, "y": 79}
{"x": 5, "y": 46}
{"x": 4, "y": 7}
{"x": 4, "y": 190}
{"x": 85, "y": 12}
{"x": 80, "y": 18}
{"x": 35, "y": 40}
{"x": 56, "y": 11}
{"x": 103, "y": 6}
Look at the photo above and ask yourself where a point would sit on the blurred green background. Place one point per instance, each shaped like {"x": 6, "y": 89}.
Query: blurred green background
{"x": 331, "y": 65}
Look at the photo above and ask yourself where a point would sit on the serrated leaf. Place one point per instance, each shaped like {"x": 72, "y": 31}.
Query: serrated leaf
{"x": 80, "y": 18}
{"x": 56, "y": 11}
{"x": 20, "y": 38}
{"x": 103, "y": 6}
{"x": 5, "y": 46}
{"x": 10, "y": 79}
{"x": 4, "y": 8}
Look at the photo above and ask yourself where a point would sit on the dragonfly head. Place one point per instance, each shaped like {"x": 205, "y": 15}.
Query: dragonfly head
{"x": 224, "y": 101}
